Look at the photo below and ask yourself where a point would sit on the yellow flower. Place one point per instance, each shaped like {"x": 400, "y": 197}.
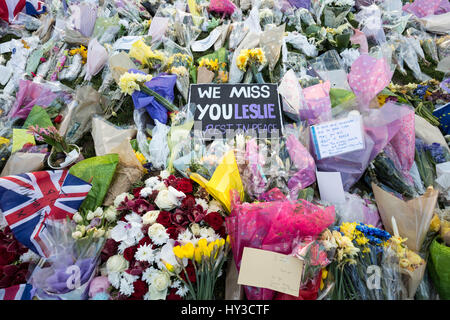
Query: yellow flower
{"x": 140, "y": 157}
{"x": 324, "y": 273}
{"x": 381, "y": 99}
{"x": 214, "y": 64}
{"x": 348, "y": 228}
{"x": 178, "y": 252}
{"x": 169, "y": 267}
{"x": 140, "y": 51}
{"x": 202, "y": 243}
{"x": 4, "y": 140}
{"x": 222, "y": 77}
{"x": 180, "y": 71}
{"x": 242, "y": 61}
{"x": 189, "y": 250}
{"x": 435, "y": 224}
{"x": 129, "y": 82}
{"x": 361, "y": 241}
{"x": 198, "y": 255}
{"x": 228, "y": 239}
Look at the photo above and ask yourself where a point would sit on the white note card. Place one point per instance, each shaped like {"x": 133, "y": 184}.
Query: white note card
{"x": 330, "y": 187}
{"x": 337, "y": 137}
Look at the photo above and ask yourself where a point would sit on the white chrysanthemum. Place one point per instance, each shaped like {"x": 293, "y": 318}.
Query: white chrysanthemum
{"x": 150, "y": 217}
{"x": 126, "y": 288}
{"x": 182, "y": 291}
{"x": 121, "y": 197}
{"x": 29, "y": 256}
{"x": 114, "y": 279}
{"x": 145, "y": 253}
{"x": 185, "y": 237}
{"x": 145, "y": 192}
{"x": 147, "y": 296}
{"x": 148, "y": 274}
{"x": 164, "y": 174}
{"x": 209, "y": 234}
{"x": 202, "y": 202}
{"x": 176, "y": 284}
{"x": 122, "y": 246}
{"x": 151, "y": 182}
{"x": 158, "y": 234}
{"x": 214, "y": 206}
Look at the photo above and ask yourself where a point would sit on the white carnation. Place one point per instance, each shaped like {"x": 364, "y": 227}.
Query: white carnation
{"x": 164, "y": 174}
{"x": 151, "y": 182}
{"x": 145, "y": 192}
{"x": 29, "y": 256}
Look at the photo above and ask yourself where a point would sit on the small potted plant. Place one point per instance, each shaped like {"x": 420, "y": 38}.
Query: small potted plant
{"x": 62, "y": 154}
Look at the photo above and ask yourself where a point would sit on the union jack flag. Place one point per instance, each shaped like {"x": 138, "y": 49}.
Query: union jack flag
{"x": 10, "y": 8}
{"x": 31, "y": 200}
{"x": 17, "y": 292}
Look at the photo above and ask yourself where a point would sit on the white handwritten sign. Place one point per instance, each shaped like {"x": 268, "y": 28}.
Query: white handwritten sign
{"x": 271, "y": 270}
{"x": 337, "y": 137}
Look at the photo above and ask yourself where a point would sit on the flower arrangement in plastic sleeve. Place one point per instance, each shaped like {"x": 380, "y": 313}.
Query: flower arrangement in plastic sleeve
{"x": 273, "y": 226}
{"x": 145, "y": 56}
{"x": 67, "y": 273}
{"x": 140, "y": 259}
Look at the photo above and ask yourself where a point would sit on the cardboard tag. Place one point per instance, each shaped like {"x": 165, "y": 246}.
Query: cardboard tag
{"x": 330, "y": 187}
{"x": 271, "y": 270}
{"x": 337, "y": 137}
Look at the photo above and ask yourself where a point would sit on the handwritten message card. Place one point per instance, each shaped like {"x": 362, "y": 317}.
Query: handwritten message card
{"x": 337, "y": 137}
{"x": 270, "y": 270}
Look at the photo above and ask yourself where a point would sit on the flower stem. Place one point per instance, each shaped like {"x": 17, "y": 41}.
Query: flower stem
{"x": 166, "y": 103}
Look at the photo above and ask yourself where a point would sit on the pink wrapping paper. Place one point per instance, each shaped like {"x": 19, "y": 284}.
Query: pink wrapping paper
{"x": 274, "y": 226}
{"x": 422, "y": 8}
{"x": 30, "y": 94}
{"x": 158, "y": 28}
{"x": 318, "y": 103}
{"x": 96, "y": 58}
{"x": 222, "y": 6}
{"x": 254, "y": 177}
{"x": 360, "y": 38}
{"x": 368, "y": 76}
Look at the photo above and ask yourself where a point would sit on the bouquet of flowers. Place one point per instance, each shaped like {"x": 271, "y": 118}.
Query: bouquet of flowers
{"x": 252, "y": 61}
{"x": 170, "y": 235}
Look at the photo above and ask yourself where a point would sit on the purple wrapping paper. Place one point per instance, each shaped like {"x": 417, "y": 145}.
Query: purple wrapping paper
{"x": 163, "y": 85}
{"x": 300, "y": 3}
{"x": 88, "y": 16}
{"x": 304, "y": 163}
{"x": 380, "y": 127}
{"x": 422, "y": 8}
{"x": 30, "y": 94}
{"x": 318, "y": 103}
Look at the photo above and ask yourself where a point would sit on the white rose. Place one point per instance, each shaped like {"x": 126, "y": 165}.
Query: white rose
{"x": 161, "y": 281}
{"x": 110, "y": 214}
{"x": 77, "y": 235}
{"x": 77, "y": 217}
{"x": 121, "y": 197}
{"x": 116, "y": 263}
{"x": 160, "y": 186}
{"x": 155, "y": 230}
{"x": 164, "y": 174}
{"x": 150, "y": 217}
{"x": 169, "y": 199}
{"x": 195, "y": 229}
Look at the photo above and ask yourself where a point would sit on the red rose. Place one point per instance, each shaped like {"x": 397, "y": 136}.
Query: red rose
{"x": 184, "y": 185}
{"x": 173, "y": 232}
{"x": 129, "y": 252}
{"x": 215, "y": 220}
{"x": 164, "y": 219}
{"x": 109, "y": 249}
{"x": 173, "y": 296}
{"x": 140, "y": 289}
{"x": 58, "y": 119}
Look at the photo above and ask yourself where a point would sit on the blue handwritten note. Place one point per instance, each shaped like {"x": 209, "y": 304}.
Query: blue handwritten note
{"x": 337, "y": 137}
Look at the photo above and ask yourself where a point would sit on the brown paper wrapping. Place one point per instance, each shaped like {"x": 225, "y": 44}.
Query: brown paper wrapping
{"x": 106, "y": 136}
{"x": 233, "y": 291}
{"x": 22, "y": 162}
{"x": 271, "y": 42}
{"x": 129, "y": 170}
{"x": 412, "y": 280}
{"x": 204, "y": 75}
{"x": 413, "y": 217}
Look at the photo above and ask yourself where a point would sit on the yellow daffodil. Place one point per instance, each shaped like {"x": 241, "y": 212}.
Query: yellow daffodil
{"x": 169, "y": 267}
{"x": 130, "y": 82}
{"x": 178, "y": 252}
{"x": 198, "y": 255}
{"x": 189, "y": 250}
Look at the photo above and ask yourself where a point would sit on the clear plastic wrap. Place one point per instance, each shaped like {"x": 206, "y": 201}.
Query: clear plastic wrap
{"x": 67, "y": 273}
{"x": 158, "y": 147}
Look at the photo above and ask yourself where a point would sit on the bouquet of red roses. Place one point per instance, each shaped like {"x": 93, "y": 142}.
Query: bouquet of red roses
{"x": 167, "y": 212}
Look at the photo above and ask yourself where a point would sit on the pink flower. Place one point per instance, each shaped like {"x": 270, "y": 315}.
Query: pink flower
{"x": 98, "y": 285}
